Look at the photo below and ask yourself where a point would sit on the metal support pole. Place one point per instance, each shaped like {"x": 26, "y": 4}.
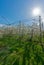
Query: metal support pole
{"x": 40, "y": 29}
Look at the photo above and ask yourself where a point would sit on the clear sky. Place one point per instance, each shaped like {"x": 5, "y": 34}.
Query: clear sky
{"x": 15, "y": 10}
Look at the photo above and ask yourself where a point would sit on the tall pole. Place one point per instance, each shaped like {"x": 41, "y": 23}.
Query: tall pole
{"x": 40, "y": 29}
{"x": 41, "y": 32}
{"x": 19, "y": 29}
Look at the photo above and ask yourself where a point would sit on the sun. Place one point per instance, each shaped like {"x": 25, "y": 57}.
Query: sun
{"x": 36, "y": 11}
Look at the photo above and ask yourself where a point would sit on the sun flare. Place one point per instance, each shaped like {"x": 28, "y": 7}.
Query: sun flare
{"x": 36, "y": 11}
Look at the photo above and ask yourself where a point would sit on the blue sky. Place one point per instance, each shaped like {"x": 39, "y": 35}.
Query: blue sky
{"x": 14, "y": 10}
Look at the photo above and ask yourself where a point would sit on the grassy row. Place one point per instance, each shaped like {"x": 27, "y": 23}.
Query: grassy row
{"x": 20, "y": 50}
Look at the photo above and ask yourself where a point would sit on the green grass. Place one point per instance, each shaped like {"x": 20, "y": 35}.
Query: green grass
{"x": 15, "y": 50}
